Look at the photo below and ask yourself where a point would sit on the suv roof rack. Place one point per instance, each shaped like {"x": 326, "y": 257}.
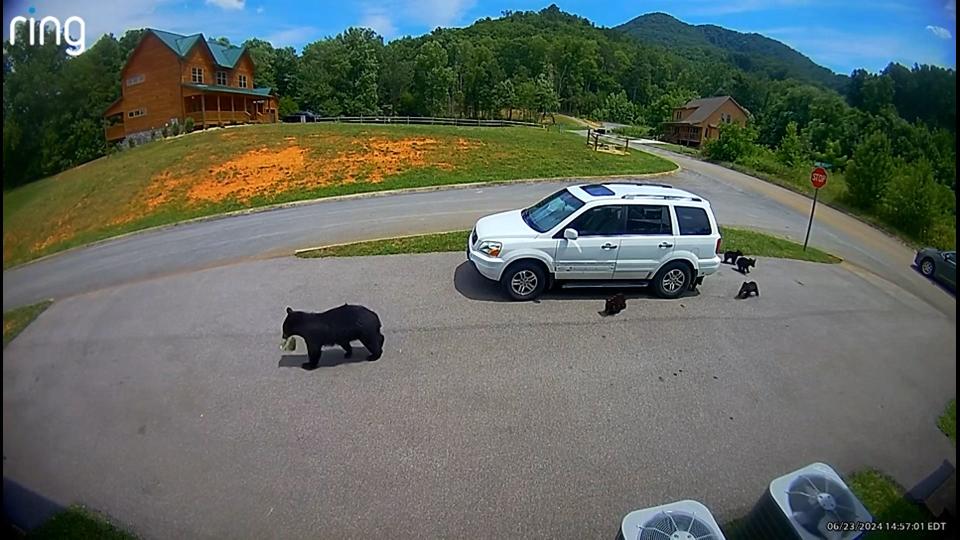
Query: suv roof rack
{"x": 641, "y": 184}
{"x": 663, "y": 197}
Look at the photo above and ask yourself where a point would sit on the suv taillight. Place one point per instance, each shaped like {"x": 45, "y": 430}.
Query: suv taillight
{"x": 719, "y": 240}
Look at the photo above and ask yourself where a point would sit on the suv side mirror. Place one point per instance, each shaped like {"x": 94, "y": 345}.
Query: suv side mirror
{"x": 570, "y": 234}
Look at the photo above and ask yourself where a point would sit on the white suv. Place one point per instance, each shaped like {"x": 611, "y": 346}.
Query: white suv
{"x": 589, "y": 235}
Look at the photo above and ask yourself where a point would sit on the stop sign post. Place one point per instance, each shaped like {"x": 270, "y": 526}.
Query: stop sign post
{"x": 818, "y": 178}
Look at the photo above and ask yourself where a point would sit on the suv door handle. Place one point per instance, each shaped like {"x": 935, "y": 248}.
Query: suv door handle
{"x": 666, "y": 245}
{"x": 608, "y": 245}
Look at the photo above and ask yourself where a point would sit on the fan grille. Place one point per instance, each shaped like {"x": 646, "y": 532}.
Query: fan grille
{"x": 814, "y": 500}
{"x": 676, "y": 526}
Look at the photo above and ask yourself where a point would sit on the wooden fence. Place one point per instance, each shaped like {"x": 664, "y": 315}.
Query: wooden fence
{"x": 424, "y": 120}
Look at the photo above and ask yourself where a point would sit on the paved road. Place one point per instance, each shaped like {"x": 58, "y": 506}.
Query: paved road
{"x": 167, "y": 404}
{"x": 737, "y": 198}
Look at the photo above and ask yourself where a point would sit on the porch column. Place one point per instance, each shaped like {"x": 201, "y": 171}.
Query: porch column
{"x": 203, "y": 111}
{"x": 219, "y": 121}
{"x": 233, "y": 109}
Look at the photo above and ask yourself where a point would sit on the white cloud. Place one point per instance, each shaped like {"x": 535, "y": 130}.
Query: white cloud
{"x": 436, "y": 13}
{"x": 951, "y": 7}
{"x": 378, "y": 20}
{"x": 292, "y": 36}
{"x": 939, "y": 31}
{"x": 227, "y": 4}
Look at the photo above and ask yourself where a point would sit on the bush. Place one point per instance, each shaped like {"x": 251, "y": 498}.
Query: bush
{"x": 733, "y": 143}
{"x": 869, "y": 171}
{"x": 910, "y": 199}
{"x": 287, "y": 106}
{"x": 188, "y": 125}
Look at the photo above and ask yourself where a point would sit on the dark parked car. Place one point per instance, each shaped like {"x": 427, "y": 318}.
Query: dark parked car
{"x": 939, "y": 265}
{"x": 299, "y": 117}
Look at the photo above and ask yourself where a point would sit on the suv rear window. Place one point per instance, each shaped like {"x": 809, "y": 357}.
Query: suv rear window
{"x": 693, "y": 221}
{"x": 648, "y": 219}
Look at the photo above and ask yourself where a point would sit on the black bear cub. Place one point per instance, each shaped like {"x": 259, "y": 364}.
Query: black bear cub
{"x": 337, "y": 326}
{"x": 732, "y": 256}
{"x": 615, "y": 304}
{"x": 744, "y": 264}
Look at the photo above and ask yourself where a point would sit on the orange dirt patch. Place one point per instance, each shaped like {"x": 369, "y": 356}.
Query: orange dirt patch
{"x": 269, "y": 171}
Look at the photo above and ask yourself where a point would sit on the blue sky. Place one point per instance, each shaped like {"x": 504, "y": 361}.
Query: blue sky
{"x": 842, "y": 35}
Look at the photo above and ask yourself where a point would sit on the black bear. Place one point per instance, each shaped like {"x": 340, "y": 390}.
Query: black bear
{"x": 744, "y": 264}
{"x": 748, "y": 288}
{"x": 732, "y": 256}
{"x": 337, "y": 326}
{"x": 615, "y": 304}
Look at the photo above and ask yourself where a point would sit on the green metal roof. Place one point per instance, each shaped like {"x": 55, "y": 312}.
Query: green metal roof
{"x": 261, "y": 92}
{"x": 224, "y": 55}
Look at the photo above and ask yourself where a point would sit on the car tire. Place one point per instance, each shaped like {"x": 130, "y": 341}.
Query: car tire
{"x": 524, "y": 281}
{"x": 927, "y": 267}
{"x": 672, "y": 280}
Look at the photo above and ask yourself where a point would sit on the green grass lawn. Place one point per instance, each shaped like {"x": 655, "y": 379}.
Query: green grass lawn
{"x": 750, "y": 242}
{"x": 753, "y": 243}
{"x": 885, "y": 500}
{"x": 78, "y": 523}
{"x": 15, "y": 320}
{"x": 222, "y": 170}
{"x": 948, "y": 421}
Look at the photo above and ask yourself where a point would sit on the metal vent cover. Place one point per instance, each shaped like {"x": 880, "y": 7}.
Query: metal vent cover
{"x": 682, "y": 520}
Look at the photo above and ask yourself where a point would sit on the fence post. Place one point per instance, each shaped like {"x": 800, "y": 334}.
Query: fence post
{"x": 596, "y": 141}
{"x": 588, "y": 136}
{"x": 626, "y": 144}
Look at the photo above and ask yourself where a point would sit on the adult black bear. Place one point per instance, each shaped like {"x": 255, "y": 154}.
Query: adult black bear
{"x": 338, "y": 326}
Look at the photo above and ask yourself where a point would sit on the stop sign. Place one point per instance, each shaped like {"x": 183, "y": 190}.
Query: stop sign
{"x": 818, "y": 177}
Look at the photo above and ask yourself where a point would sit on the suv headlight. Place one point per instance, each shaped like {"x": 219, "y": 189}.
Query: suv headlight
{"x": 490, "y": 248}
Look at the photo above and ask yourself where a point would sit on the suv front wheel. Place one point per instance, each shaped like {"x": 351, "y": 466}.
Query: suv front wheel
{"x": 672, "y": 280}
{"x": 524, "y": 280}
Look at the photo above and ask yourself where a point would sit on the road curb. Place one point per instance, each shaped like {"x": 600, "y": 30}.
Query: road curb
{"x": 297, "y": 252}
{"x": 365, "y": 195}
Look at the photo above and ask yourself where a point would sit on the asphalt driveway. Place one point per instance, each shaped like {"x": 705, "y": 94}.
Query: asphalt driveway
{"x": 167, "y": 404}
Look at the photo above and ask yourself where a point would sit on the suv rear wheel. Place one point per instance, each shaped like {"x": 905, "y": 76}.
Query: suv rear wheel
{"x": 672, "y": 280}
{"x": 524, "y": 280}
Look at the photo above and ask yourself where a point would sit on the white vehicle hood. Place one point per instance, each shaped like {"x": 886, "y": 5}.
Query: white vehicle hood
{"x": 508, "y": 224}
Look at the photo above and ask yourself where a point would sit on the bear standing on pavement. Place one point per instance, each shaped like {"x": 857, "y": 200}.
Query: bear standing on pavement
{"x": 338, "y": 326}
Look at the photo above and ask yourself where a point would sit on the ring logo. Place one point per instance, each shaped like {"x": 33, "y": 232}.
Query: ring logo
{"x": 75, "y": 46}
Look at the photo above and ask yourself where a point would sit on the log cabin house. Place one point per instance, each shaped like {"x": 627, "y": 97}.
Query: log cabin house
{"x": 699, "y": 120}
{"x": 169, "y": 78}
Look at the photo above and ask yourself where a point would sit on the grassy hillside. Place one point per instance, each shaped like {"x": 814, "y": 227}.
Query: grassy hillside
{"x": 750, "y": 52}
{"x": 230, "y": 169}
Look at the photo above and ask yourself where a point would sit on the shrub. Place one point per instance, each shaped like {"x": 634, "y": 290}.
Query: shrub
{"x": 910, "y": 199}
{"x": 870, "y": 171}
{"x": 188, "y": 125}
{"x": 733, "y": 143}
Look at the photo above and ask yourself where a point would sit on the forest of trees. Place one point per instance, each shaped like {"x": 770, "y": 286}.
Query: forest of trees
{"x": 523, "y": 63}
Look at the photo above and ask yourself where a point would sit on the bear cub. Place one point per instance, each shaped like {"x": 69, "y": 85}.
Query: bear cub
{"x": 337, "y": 326}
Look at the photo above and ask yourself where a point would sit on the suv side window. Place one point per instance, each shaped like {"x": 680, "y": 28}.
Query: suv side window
{"x": 649, "y": 220}
{"x": 600, "y": 221}
{"x": 693, "y": 221}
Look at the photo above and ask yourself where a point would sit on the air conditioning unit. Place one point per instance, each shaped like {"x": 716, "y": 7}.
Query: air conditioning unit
{"x": 812, "y": 503}
{"x": 682, "y": 520}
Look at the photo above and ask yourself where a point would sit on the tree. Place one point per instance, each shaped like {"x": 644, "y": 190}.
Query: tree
{"x": 733, "y": 143}
{"x": 793, "y": 150}
{"x": 910, "y": 200}
{"x": 433, "y": 79}
{"x": 617, "y": 108}
{"x": 869, "y": 171}
{"x": 505, "y": 97}
{"x": 287, "y": 105}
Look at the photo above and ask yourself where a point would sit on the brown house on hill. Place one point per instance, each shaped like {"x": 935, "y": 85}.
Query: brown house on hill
{"x": 169, "y": 78}
{"x": 700, "y": 119}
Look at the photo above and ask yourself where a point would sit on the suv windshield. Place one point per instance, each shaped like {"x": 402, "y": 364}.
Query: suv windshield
{"x": 547, "y": 213}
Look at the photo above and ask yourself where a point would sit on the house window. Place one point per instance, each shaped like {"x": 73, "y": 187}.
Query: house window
{"x": 136, "y": 113}
{"x": 136, "y": 79}
{"x": 676, "y": 115}
{"x": 196, "y": 75}
{"x": 242, "y": 81}
{"x": 222, "y": 78}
